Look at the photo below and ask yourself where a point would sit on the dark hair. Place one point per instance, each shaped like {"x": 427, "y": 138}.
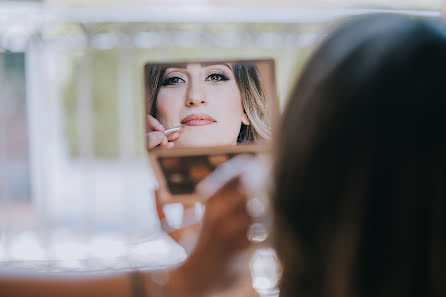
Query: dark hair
{"x": 253, "y": 99}
{"x": 360, "y": 178}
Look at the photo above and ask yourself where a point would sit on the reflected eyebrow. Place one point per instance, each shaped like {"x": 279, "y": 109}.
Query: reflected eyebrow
{"x": 184, "y": 66}
{"x": 180, "y": 66}
{"x": 224, "y": 64}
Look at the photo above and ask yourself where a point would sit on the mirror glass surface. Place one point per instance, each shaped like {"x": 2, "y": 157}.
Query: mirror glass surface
{"x": 209, "y": 103}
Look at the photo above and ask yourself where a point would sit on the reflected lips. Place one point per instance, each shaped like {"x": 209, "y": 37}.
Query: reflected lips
{"x": 198, "y": 120}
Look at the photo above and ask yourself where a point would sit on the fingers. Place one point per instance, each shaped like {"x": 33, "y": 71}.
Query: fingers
{"x": 235, "y": 232}
{"x": 153, "y": 124}
{"x": 173, "y": 136}
{"x": 226, "y": 216}
{"x": 170, "y": 145}
{"x": 235, "y": 227}
{"x": 155, "y": 133}
{"x": 156, "y": 137}
{"x": 170, "y": 138}
{"x": 229, "y": 197}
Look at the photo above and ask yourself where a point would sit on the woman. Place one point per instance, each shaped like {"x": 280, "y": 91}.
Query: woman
{"x": 214, "y": 104}
{"x": 360, "y": 165}
{"x": 360, "y": 174}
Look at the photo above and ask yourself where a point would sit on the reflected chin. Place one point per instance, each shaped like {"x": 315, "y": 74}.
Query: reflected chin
{"x": 199, "y": 136}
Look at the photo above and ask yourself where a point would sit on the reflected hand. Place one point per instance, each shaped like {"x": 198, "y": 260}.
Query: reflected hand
{"x": 155, "y": 135}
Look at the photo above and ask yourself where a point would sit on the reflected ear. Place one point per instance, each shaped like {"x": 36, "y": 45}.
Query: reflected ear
{"x": 245, "y": 119}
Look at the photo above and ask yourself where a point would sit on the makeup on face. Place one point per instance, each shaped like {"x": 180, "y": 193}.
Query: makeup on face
{"x": 200, "y": 119}
{"x": 209, "y": 99}
{"x": 206, "y": 99}
{"x": 178, "y": 75}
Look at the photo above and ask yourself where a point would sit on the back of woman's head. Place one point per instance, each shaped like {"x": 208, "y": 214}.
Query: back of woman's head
{"x": 360, "y": 179}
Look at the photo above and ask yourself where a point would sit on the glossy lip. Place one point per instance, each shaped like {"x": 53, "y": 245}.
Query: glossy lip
{"x": 198, "y": 120}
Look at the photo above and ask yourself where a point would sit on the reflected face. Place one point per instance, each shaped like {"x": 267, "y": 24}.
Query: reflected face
{"x": 206, "y": 100}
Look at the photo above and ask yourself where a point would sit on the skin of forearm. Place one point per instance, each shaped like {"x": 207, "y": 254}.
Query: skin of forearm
{"x": 111, "y": 286}
{"x": 179, "y": 284}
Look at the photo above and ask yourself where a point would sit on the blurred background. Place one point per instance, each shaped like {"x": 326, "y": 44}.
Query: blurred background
{"x": 76, "y": 189}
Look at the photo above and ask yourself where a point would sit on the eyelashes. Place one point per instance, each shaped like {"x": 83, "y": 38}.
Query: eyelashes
{"x": 175, "y": 80}
{"x": 217, "y": 77}
{"x": 172, "y": 81}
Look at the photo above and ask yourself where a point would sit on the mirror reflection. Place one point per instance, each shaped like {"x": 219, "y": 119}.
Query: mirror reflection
{"x": 202, "y": 104}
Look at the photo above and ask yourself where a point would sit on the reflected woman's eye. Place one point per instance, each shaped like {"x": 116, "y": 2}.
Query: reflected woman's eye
{"x": 217, "y": 77}
{"x": 170, "y": 81}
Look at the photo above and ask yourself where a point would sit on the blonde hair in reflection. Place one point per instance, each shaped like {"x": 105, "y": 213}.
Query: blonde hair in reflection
{"x": 254, "y": 100}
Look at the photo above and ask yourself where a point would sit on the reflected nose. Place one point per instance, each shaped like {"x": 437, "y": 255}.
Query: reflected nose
{"x": 195, "y": 94}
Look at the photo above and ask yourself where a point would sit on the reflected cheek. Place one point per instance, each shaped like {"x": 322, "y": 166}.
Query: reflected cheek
{"x": 230, "y": 122}
{"x": 162, "y": 113}
{"x": 227, "y": 99}
{"x": 168, "y": 108}
{"x": 230, "y": 111}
